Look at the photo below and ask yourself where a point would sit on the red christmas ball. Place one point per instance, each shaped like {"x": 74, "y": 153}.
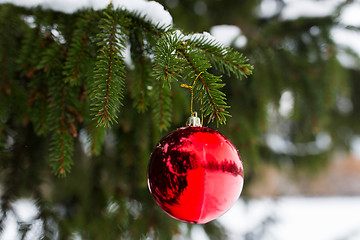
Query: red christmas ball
{"x": 195, "y": 174}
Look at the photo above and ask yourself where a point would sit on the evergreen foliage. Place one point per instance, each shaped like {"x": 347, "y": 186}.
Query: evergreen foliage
{"x": 67, "y": 71}
{"x": 107, "y": 90}
{"x": 72, "y": 98}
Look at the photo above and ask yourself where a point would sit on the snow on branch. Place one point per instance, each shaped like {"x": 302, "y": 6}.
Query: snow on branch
{"x": 150, "y": 10}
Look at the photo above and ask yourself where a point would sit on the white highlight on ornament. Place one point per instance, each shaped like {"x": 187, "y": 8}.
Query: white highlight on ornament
{"x": 150, "y": 10}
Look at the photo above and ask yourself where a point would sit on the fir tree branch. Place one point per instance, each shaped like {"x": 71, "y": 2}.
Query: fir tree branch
{"x": 141, "y": 85}
{"x": 77, "y": 49}
{"x": 38, "y": 104}
{"x": 213, "y": 101}
{"x": 166, "y": 64}
{"x": 61, "y": 151}
{"x": 162, "y": 109}
{"x": 138, "y": 21}
{"x": 109, "y": 71}
{"x": 142, "y": 71}
{"x": 225, "y": 59}
{"x": 75, "y": 75}
{"x": 96, "y": 137}
{"x": 60, "y": 120}
{"x": 55, "y": 59}
{"x": 175, "y": 55}
{"x": 49, "y": 58}
{"x": 62, "y": 143}
{"x": 166, "y": 69}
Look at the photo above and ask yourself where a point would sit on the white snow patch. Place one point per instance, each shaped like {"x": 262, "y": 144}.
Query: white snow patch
{"x": 317, "y": 218}
{"x": 323, "y": 141}
{"x": 25, "y": 209}
{"x": 307, "y": 8}
{"x": 228, "y": 35}
{"x": 355, "y": 146}
{"x": 344, "y": 105}
{"x": 198, "y": 233}
{"x": 151, "y": 10}
{"x": 351, "y": 14}
{"x": 126, "y": 53}
{"x": 347, "y": 39}
{"x": 245, "y": 216}
{"x": 268, "y": 8}
{"x": 66, "y": 6}
{"x": 25, "y": 212}
{"x": 201, "y": 35}
{"x": 10, "y": 228}
{"x": 204, "y": 35}
{"x": 280, "y": 144}
{"x": 295, "y": 218}
{"x": 286, "y": 104}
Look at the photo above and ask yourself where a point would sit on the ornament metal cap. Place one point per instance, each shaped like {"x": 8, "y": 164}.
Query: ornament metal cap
{"x": 194, "y": 121}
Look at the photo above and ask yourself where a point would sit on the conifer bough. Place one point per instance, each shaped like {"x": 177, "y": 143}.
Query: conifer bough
{"x": 71, "y": 68}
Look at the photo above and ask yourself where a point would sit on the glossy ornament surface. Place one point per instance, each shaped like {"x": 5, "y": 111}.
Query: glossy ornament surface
{"x": 195, "y": 174}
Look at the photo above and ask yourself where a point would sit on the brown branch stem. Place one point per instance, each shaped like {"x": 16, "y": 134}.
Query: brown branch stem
{"x": 112, "y": 51}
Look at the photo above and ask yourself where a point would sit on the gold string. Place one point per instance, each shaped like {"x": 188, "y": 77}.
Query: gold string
{"x": 192, "y": 95}
{"x": 202, "y": 111}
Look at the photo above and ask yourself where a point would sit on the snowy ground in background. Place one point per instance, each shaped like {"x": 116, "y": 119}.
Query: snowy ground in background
{"x": 291, "y": 218}
{"x": 296, "y": 218}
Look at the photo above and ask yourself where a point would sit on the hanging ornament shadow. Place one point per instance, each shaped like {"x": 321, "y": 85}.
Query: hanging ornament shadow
{"x": 195, "y": 174}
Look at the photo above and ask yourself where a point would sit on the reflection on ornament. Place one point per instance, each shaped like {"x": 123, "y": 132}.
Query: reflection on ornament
{"x": 195, "y": 174}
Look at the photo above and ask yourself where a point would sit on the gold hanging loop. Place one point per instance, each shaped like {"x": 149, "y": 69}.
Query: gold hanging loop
{"x": 192, "y": 96}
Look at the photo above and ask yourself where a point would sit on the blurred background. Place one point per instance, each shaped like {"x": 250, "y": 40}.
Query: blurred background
{"x": 295, "y": 122}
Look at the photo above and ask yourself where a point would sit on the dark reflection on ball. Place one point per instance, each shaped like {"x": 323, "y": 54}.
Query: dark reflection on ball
{"x": 195, "y": 174}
